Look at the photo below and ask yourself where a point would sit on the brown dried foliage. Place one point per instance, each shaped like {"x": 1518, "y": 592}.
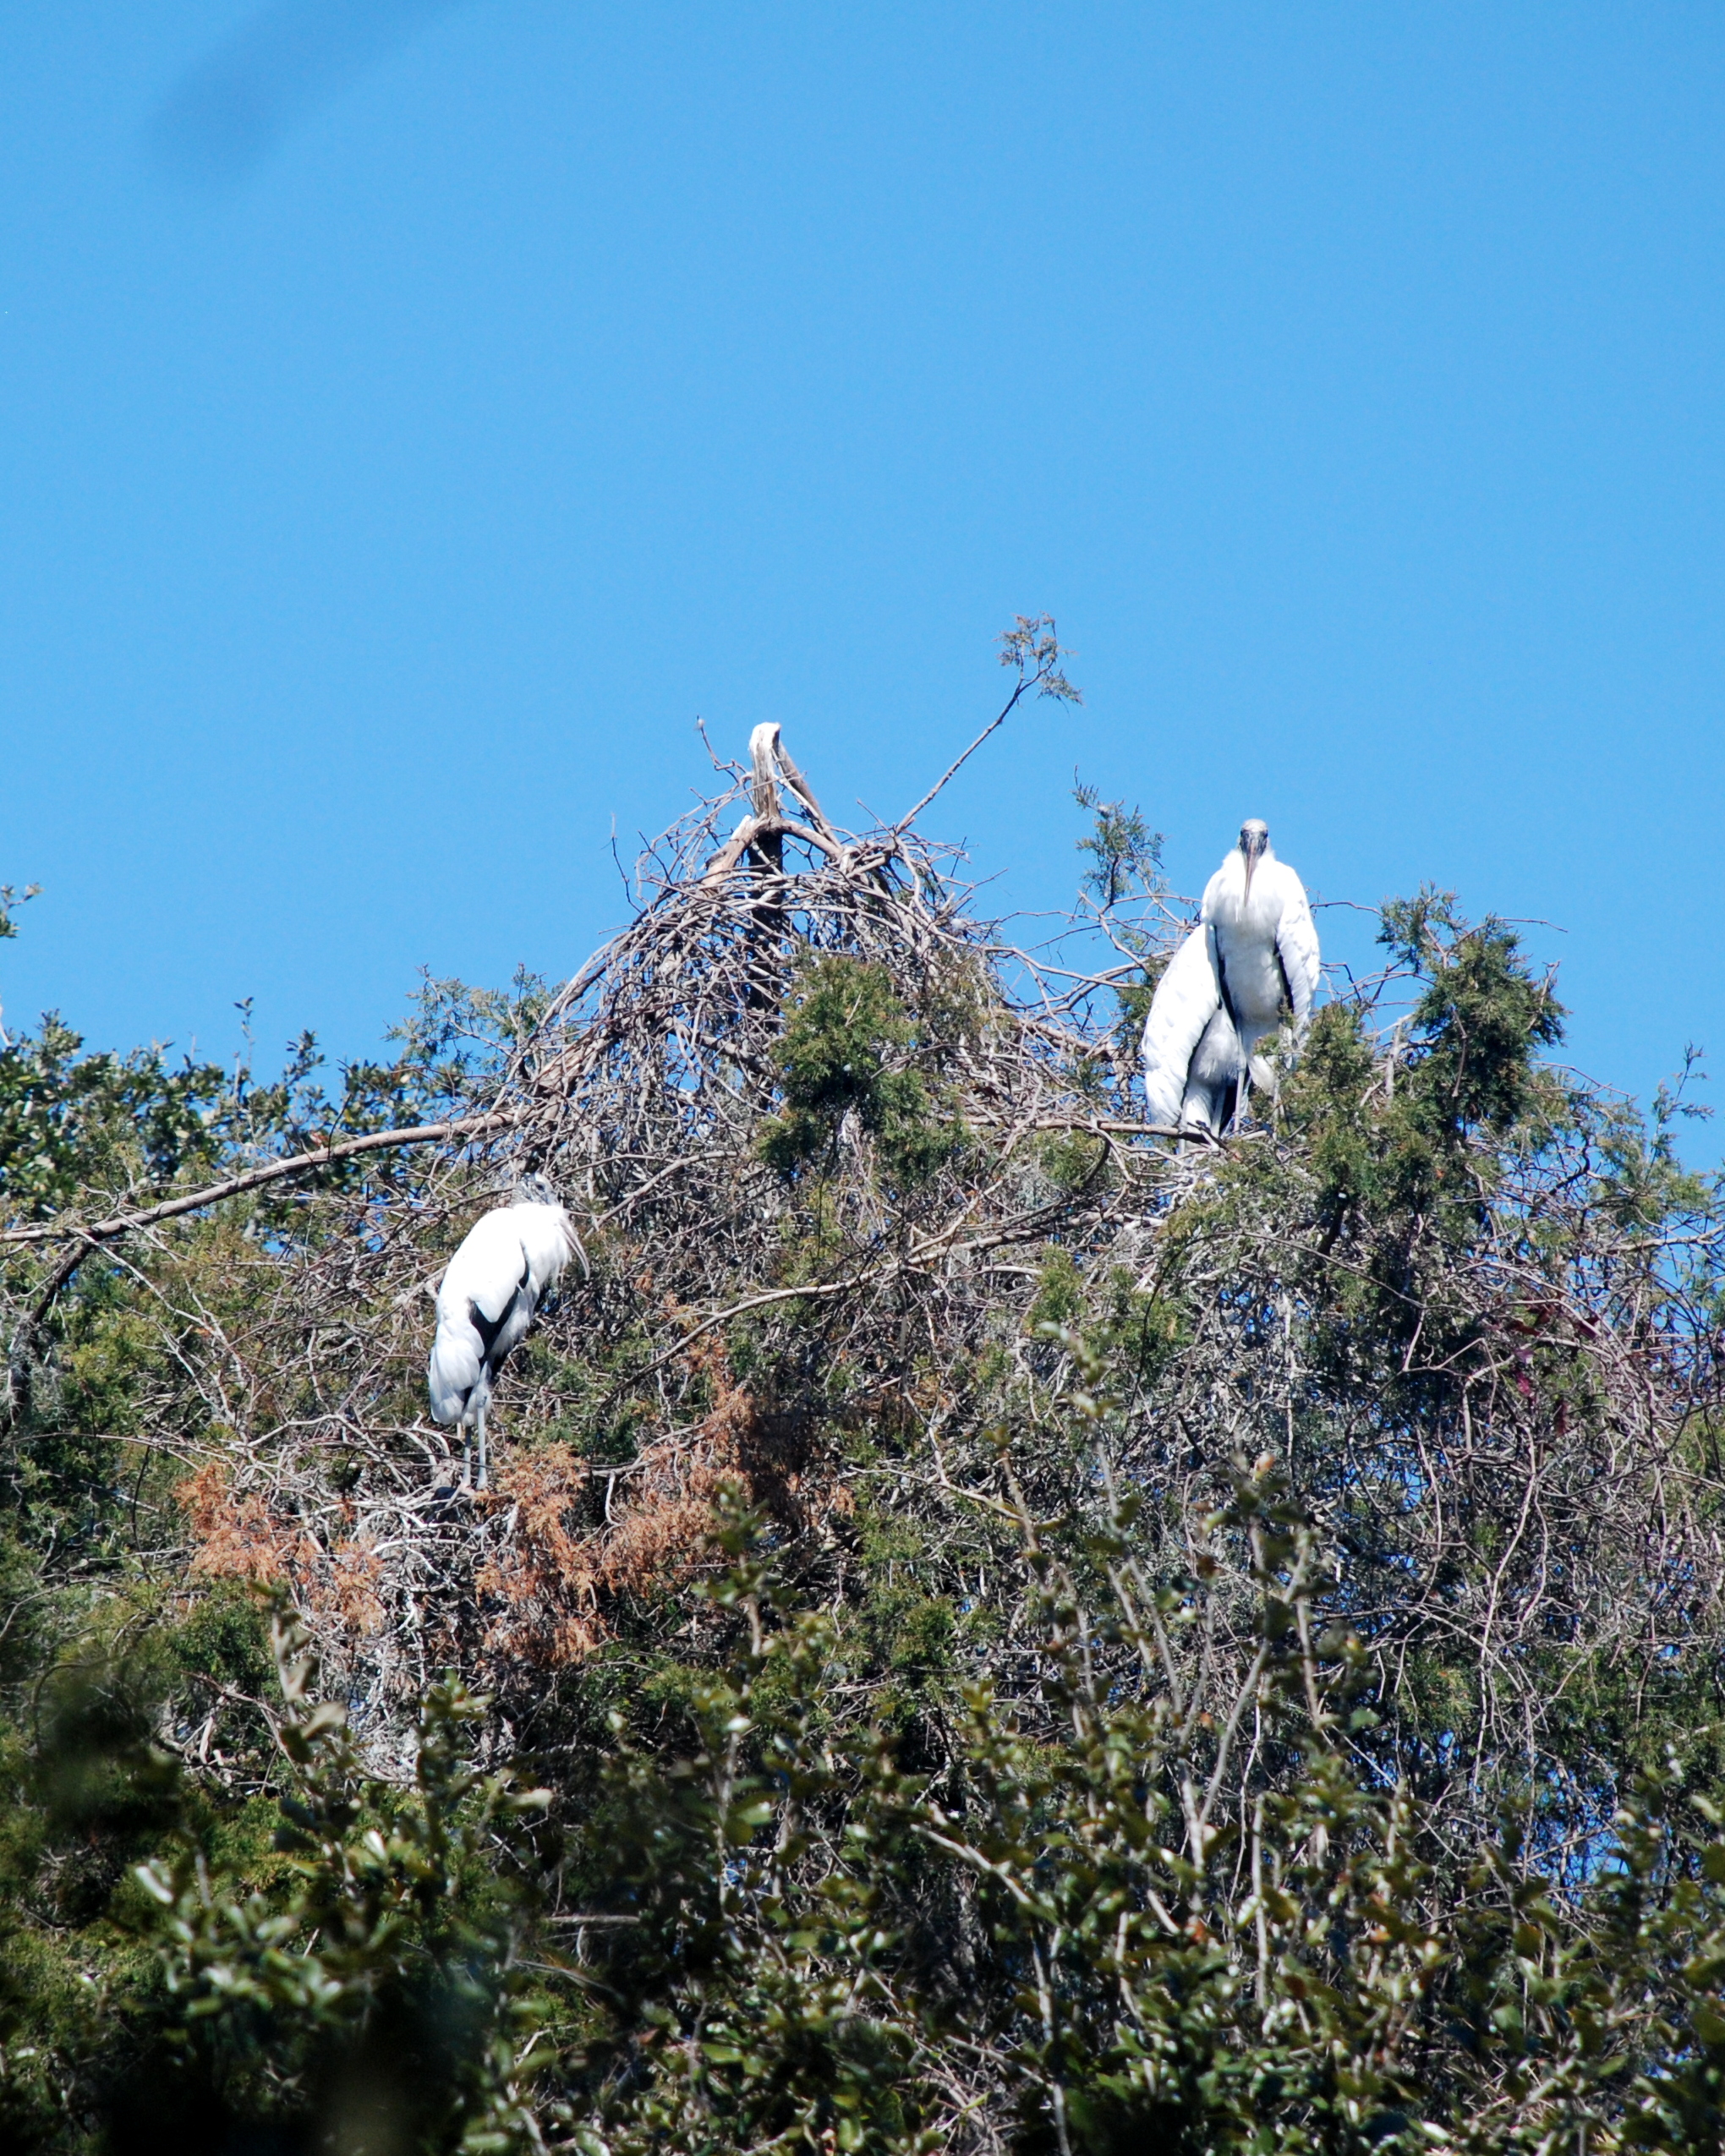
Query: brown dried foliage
{"x": 552, "y": 1588}
{"x": 235, "y": 1535}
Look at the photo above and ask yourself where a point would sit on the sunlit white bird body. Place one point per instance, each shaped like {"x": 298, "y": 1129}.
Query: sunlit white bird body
{"x": 1191, "y": 1051}
{"x": 511, "y": 1260}
{"x": 1251, "y": 962}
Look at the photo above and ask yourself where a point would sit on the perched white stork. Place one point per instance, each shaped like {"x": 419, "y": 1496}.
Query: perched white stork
{"x": 510, "y": 1261}
{"x": 1252, "y": 960}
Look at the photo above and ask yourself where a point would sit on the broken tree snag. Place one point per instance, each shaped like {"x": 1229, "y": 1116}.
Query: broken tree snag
{"x": 765, "y": 830}
{"x": 768, "y": 924}
{"x": 764, "y": 797}
{"x": 760, "y": 836}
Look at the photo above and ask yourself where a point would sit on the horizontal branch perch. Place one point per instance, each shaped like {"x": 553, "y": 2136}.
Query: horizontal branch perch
{"x": 274, "y": 1171}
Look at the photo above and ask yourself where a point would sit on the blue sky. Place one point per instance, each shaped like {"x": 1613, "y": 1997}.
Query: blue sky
{"x": 389, "y": 478}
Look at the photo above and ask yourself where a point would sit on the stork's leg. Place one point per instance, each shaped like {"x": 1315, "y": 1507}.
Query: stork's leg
{"x": 1207, "y": 1105}
{"x": 466, "y": 1455}
{"x": 484, "y": 1477}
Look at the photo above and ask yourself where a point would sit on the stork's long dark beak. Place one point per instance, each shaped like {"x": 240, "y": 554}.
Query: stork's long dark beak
{"x": 1254, "y": 844}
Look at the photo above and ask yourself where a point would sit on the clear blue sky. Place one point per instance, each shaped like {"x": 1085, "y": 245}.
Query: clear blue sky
{"x": 388, "y": 479}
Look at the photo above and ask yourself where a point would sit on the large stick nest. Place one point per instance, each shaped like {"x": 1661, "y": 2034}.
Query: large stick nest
{"x": 642, "y": 1094}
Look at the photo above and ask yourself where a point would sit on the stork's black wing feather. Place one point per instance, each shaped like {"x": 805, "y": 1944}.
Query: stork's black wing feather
{"x": 1221, "y": 982}
{"x": 488, "y": 1328}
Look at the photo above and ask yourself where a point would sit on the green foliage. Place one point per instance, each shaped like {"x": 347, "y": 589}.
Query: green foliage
{"x": 76, "y": 1125}
{"x": 844, "y": 1056}
{"x": 68, "y": 1120}
{"x": 1125, "y": 855}
{"x": 1146, "y": 1969}
{"x": 1125, "y": 863}
{"x": 1030, "y": 647}
{"x": 370, "y": 1983}
{"x": 1142, "y": 1963}
{"x": 458, "y": 1034}
{"x": 1479, "y": 1019}
{"x": 354, "y": 1979}
{"x": 11, "y": 898}
{"x": 1075, "y": 1161}
{"x": 1400, "y": 1147}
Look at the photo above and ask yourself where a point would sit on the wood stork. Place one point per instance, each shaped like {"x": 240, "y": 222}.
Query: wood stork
{"x": 510, "y": 1261}
{"x": 1252, "y": 958}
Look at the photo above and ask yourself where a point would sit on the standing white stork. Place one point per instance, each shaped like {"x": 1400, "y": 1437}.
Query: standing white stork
{"x": 510, "y": 1261}
{"x": 1252, "y": 958}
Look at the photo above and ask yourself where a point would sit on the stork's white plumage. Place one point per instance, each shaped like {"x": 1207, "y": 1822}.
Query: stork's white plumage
{"x": 1184, "y": 1013}
{"x": 510, "y": 1261}
{"x": 1252, "y": 961}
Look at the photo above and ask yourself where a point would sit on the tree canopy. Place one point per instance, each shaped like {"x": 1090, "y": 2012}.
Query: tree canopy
{"x": 995, "y": 1629}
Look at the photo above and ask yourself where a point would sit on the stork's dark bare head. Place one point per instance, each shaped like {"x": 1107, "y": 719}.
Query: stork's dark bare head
{"x": 1254, "y": 843}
